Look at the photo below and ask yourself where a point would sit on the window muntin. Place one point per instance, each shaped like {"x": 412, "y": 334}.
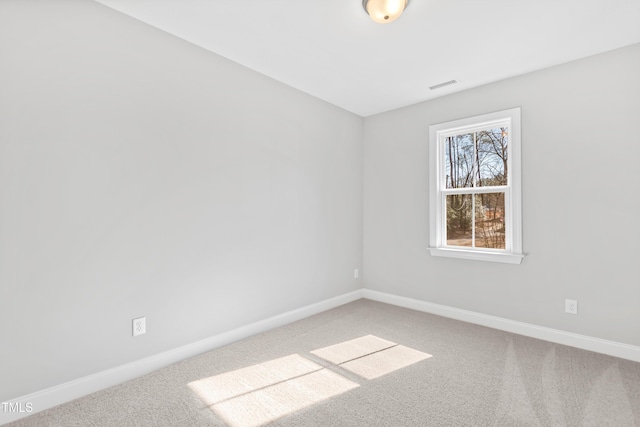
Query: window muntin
{"x": 475, "y": 187}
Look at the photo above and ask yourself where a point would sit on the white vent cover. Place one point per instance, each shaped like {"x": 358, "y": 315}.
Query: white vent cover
{"x": 438, "y": 86}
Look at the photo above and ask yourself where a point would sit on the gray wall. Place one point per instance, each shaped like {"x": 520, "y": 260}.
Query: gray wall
{"x": 141, "y": 175}
{"x": 581, "y": 156}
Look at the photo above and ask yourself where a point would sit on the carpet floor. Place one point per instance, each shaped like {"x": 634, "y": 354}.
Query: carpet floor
{"x": 371, "y": 364}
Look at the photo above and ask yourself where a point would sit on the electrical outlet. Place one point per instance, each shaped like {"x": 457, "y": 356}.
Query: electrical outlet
{"x": 356, "y": 273}
{"x": 139, "y": 326}
{"x": 571, "y": 306}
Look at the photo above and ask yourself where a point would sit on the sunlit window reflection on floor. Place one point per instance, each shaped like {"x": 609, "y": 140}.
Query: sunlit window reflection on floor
{"x": 370, "y": 357}
{"x": 384, "y": 362}
{"x": 352, "y": 349}
{"x": 262, "y": 393}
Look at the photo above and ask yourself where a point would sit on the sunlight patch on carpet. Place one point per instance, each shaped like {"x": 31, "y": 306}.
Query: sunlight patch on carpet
{"x": 370, "y": 356}
{"x": 352, "y": 349}
{"x": 262, "y": 393}
{"x": 269, "y": 404}
{"x": 384, "y": 362}
{"x": 225, "y": 386}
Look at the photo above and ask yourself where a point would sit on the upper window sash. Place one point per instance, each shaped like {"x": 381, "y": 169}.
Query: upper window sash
{"x": 476, "y": 143}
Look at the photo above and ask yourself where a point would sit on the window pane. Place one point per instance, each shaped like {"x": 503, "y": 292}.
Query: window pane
{"x": 492, "y": 156}
{"x": 459, "y": 210}
{"x": 459, "y": 154}
{"x": 489, "y": 220}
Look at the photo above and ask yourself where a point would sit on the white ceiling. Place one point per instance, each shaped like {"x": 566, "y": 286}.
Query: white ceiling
{"x": 332, "y": 49}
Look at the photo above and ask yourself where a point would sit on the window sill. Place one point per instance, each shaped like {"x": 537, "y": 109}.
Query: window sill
{"x": 508, "y": 258}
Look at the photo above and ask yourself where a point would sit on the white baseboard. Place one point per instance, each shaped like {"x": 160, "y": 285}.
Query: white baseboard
{"x": 612, "y": 348}
{"x": 53, "y": 396}
{"x": 66, "y": 392}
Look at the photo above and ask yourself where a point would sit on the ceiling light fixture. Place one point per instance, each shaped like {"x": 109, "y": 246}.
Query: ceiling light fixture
{"x": 384, "y": 11}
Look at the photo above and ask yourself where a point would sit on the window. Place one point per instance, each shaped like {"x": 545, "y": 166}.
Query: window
{"x": 475, "y": 188}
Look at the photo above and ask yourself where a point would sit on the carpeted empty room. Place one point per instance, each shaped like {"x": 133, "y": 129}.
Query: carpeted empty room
{"x": 319, "y": 213}
{"x": 473, "y": 376}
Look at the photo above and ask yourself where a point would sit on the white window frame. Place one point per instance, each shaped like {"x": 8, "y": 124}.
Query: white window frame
{"x": 512, "y": 253}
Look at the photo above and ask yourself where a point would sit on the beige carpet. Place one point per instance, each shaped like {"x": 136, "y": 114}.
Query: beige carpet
{"x": 372, "y": 364}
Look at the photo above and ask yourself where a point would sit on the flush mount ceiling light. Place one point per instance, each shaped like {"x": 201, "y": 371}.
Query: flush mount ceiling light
{"x": 384, "y": 11}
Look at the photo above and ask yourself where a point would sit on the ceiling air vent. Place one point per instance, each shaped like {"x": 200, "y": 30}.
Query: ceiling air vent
{"x": 438, "y": 86}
